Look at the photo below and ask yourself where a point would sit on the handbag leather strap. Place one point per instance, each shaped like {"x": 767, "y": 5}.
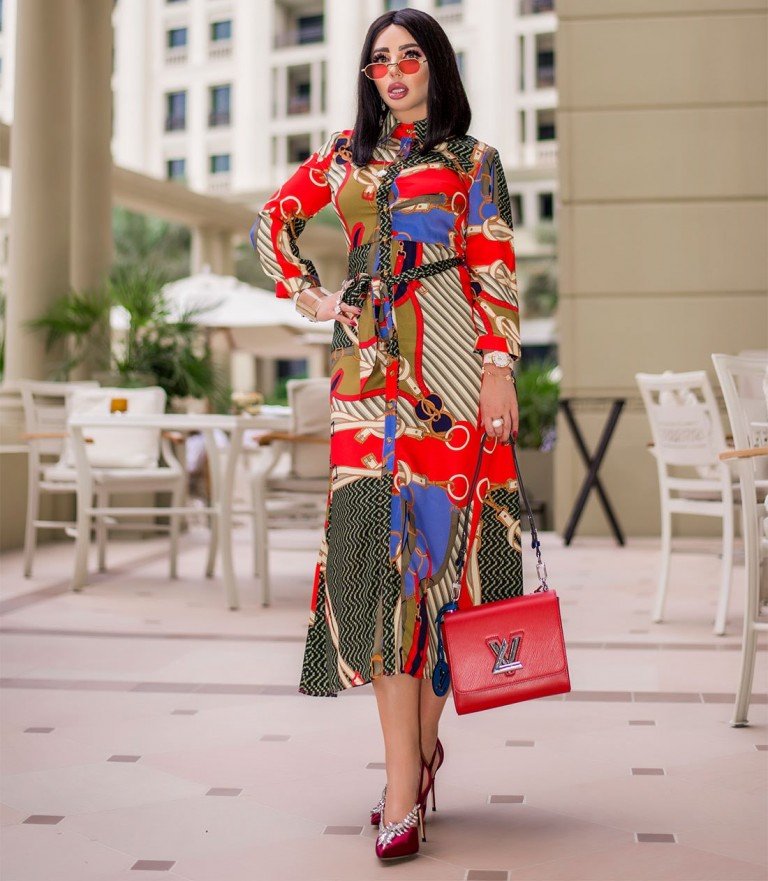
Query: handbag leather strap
{"x": 441, "y": 675}
{"x": 541, "y": 569}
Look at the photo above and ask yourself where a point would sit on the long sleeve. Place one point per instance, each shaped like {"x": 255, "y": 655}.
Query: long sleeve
{"x": 490, "y": 257}
{"x": 281, "y": 221}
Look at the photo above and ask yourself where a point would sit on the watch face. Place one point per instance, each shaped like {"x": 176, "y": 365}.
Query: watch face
{"x": 500, "y": 359}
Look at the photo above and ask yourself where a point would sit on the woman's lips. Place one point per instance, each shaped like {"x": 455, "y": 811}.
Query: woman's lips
{"x": 397, "y": 90}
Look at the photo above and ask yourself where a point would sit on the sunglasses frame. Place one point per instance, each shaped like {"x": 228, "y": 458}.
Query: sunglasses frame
{"x": 389, "y": 64}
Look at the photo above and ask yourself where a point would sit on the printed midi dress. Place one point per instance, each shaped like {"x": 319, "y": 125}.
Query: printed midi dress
{"x": 431, "y": 263}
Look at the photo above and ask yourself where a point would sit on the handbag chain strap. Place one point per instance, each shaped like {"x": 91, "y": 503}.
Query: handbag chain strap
{"x": 541, "y": 569}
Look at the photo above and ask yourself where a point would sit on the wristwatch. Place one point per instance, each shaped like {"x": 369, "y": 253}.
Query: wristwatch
{"x": 498, "y": 359}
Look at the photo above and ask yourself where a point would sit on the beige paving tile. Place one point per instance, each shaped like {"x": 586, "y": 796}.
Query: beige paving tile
{"x": 641, "y": 862}
{"x": 39, "y": 853}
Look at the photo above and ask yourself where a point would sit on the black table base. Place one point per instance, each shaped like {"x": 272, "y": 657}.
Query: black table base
{"x": 593, "y": 463}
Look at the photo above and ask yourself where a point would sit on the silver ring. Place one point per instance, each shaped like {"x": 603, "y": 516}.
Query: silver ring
{"x": 337, "y": 308}
{"x": 497, "y": 422}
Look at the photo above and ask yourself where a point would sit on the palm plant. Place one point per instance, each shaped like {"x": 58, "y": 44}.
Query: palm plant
{"x": 157, "y": 346}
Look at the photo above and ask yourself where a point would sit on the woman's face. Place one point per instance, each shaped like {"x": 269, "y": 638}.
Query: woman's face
{"x": 405, "y": 94}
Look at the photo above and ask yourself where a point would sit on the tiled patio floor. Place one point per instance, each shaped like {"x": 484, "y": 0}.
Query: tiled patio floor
{"x": 147, "y": 732}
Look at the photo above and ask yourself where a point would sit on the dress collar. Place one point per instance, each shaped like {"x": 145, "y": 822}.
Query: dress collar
{"x": 391, "y": 128}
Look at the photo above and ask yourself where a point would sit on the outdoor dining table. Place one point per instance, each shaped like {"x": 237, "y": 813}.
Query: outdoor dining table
{"x": 222, "y": 461}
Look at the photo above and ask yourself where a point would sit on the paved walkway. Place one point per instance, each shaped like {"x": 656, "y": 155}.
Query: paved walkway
{"x": 146, "y": 728}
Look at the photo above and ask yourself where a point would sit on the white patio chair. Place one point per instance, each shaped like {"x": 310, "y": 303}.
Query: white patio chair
{"x": 105, "y": 462}
{"x": 741, "y": 379}
{"x": 299, "y": 491}
{"x": 756, "y": 555}
{"x": 688, "y": 435}
{"x": 45, "y": 423}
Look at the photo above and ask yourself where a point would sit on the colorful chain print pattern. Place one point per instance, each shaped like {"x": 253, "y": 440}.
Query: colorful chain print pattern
{"x": 404, "y": 396}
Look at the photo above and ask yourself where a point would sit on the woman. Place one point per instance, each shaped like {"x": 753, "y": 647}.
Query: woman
{"x": 426, "y": 329}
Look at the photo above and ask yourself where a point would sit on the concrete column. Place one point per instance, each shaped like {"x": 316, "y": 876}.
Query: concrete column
{"x": 41, "y": 151}
{"x": 91, "y": 245}
{"x": 212, "y": 248}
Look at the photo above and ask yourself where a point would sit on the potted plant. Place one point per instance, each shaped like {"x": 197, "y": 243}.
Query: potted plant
{"x": 155, "y": 348}
{"x": 538, "y": 389}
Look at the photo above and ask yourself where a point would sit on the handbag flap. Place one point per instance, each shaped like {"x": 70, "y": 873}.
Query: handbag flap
{"x": 517, "y": 641}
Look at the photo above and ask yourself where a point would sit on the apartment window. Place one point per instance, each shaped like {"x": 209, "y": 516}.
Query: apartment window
{"x": 460, "y": 63}
{"x": 309, "y": 29}
{"x": 176, "y": 169}
{"x": 545, "y": 125}
{"x": 396, "y": 4}
{"x": 546, "y": 206}
{"x": 220, "y": 106}
{"x": 221, "y": 30}
{"x": 1, "y": 15}
{"x": 220, "y": 163}
{"x": 299, "y": 89}
{"x": 516, "y": 201}
{"x": 177, "y": 37}
{"x": 448, "y": 3}
{"x": 299, "y": 148}
{"x": 175, "y": 1}
{"x": 545, "y": 61}
{"x": 176, "y": 111}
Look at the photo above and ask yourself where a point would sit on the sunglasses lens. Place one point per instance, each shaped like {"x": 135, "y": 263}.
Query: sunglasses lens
{"x": 409, "y": 65}
{"x": 376, "y": 71}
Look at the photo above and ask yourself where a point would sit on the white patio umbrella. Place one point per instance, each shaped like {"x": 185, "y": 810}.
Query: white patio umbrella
{"x": 257, "y": 320}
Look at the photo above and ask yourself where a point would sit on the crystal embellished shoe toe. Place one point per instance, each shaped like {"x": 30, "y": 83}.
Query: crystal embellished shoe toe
{"x": 400, "y": 839}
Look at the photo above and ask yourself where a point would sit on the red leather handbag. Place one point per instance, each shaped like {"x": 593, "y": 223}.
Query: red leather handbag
{"x": 504, "y": 652}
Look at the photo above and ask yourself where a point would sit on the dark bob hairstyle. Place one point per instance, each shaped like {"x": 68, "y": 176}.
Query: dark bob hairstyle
{"x": 448, "y": 112}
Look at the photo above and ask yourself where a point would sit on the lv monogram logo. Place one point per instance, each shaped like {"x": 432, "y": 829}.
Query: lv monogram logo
{"x": 505, "y": 653}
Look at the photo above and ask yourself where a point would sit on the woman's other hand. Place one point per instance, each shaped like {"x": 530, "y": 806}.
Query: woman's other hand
{"x": 498, "y": 400}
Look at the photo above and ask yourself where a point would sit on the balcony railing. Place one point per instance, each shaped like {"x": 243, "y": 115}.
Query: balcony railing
{"x": 541, "y": 154}
{"x": 175, "y": 123}
{"x": 298, "y": 104}
{"x": 545, "y": 77}
{"x": 220, "y": 49}
{"x": 175, "y": 54}
{"x": 299, "y": 36}
{"x": 219, "y": 117}
{"x": 535, "y": 7}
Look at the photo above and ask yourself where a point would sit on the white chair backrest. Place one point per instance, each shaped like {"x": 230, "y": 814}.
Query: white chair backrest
{"x": 741, "y": 379}
{"x": 117, "y": 448}
{"x": 45, "y": 410}
{"x": 684, "y": 417}
{"x": 310, "y": 414}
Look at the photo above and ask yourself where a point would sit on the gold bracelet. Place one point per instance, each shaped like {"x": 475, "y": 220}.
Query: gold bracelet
{"x": 509, "y": 377}
{"x": 308, "y": 310}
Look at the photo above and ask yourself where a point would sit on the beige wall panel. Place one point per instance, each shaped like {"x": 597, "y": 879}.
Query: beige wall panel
{"x": 612, "y": 338}
{"x": 659, "y": 248}
{"x": 662, "y": 61}
{"x": 664, "y": 154}
{"x": 567, "y": 9}
{"x": 628, "y": 475}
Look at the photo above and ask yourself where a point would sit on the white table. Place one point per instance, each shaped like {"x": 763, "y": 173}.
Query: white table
{"x": 222, "y": 480}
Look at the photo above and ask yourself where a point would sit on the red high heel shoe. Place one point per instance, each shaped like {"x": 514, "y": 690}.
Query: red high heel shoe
{"x": 400, "y": 839}
{"x": 438, "y": 754}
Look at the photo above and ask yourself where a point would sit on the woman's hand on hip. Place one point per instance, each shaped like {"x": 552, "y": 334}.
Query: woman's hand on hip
{"x": 326, "y": 311}
{"x": 498, "y": 401}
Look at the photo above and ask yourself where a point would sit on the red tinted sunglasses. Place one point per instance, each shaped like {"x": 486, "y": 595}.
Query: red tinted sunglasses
{"x": 378, "y": 69}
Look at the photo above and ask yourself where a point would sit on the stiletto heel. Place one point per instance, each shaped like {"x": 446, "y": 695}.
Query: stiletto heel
{"x": 438, "y": 754}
